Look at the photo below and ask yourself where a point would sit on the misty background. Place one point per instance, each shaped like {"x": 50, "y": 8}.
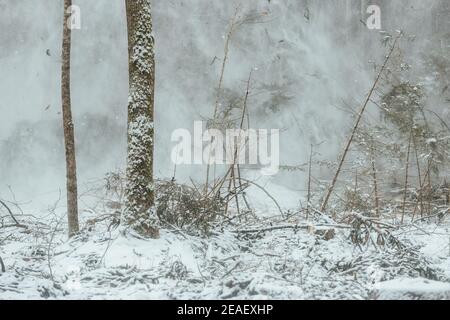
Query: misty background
{"x": 310, "y": 59}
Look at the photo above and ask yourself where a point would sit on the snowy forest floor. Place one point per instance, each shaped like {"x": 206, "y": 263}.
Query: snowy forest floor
{"x": 263, "y": 258}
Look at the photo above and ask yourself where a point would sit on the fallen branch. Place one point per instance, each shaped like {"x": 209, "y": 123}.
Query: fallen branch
{"x": 439, "y": 215}
{"x": 10, "y": 212}
{"x": 5, "y": 289}
{"x": 355, "y": 220}
{"x": 2, "y": 265}
{"x": 293, "y": 226}
{"x": 232, "y": 269}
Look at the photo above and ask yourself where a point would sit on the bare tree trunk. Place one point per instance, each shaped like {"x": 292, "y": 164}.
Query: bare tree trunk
{"x": 139, "y": 211}
{"x": 235, "y": 154}
{"x": 308, "y": 197}
{"x": 430, "y": 187}
{"x": 419, "y": 196}
{"x": 375, "y": 182}
{"x": 233, "y": 25}
{"x": 355, "y": 127}
{"x": 406, "y": 175}
{"x": 69, "y": 139}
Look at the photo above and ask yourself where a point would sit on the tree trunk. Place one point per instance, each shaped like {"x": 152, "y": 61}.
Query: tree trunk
{"x": 375, "y": 181}
{"x": 358, "y": 120}
{"x": 69, "y": 140}
{"x": 406, "y": 175}
{"x": 139, "y": 211}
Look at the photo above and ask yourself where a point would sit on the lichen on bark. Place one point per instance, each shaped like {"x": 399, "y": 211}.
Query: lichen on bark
{"x": 139, "y": 207}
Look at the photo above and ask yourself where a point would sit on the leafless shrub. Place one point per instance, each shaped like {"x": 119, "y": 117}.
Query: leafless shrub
{"x": 356, "y": 200}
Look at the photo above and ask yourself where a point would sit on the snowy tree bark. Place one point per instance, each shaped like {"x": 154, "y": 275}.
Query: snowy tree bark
{"x": 69, "y": 139}
{"x": 139, "y": 211}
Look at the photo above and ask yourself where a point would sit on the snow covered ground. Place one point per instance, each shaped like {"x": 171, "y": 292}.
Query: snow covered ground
{"x": 280, "y": 263}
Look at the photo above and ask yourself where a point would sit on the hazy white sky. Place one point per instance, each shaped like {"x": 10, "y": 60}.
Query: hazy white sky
{"x": 310, "y": 58}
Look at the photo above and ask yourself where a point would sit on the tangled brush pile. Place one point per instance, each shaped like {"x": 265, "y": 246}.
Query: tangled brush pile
{"x": 186, "y": 207}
